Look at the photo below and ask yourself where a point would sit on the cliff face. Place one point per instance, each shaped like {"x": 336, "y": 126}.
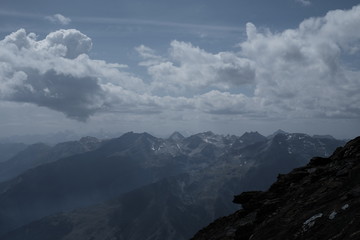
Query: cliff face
{"x": 318, "y": 201}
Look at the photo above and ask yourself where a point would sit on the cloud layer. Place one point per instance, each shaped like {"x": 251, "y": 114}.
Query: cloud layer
{"x": 304, "y": 72}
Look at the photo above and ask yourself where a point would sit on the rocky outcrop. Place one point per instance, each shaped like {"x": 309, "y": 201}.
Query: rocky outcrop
{"x": 318, "y": 201}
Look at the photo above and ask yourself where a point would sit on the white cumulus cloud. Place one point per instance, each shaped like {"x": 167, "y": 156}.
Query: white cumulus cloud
{"x": 191, "y": 68}
{"x": 303, "y": 71}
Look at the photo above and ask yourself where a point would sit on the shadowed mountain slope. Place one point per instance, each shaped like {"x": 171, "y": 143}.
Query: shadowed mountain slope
{"x": 9, "y": 150}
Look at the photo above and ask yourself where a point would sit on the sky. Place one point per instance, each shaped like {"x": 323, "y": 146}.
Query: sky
{"x": 158, "y": 66}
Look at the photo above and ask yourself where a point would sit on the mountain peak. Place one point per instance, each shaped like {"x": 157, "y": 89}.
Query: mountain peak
{"x": 280, "y": 131}
{"x": 277, "y": 132}
{"x": 208, "y": 133}
{"x": 147, "y": 135}
{"x": 176, "y": 136}
{"x": 133, "y": 135}
{"x": 251, "y": 134}
{"x": 252, "y": 137}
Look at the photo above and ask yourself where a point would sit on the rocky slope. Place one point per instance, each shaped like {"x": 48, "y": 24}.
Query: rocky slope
{"x": 318, "y": 201}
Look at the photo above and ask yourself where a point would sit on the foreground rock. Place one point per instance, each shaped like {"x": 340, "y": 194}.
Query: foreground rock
{"x": 318, "y": 201}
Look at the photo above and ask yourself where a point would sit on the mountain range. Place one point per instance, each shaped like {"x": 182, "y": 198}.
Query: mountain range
{"x": 138, "y": 186}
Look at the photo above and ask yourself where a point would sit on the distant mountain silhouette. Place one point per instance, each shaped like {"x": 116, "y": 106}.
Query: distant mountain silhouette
{"x": 9, "y": 150}
{"x": 40, "y": 153}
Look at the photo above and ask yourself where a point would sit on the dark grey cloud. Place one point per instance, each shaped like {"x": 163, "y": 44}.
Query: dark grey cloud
{"x": 76, "y": 97}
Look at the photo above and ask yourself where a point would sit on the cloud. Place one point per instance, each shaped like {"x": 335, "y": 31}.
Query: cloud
{"x": 225, "y": 103}
{"x": 58, "y": 18}
{"x": 304, "y": 2}
{"x": 57, "y": 73}
{"x": 303, "y": 72}
{"x": 74, "y": 41}
{"x": 149, "y": 55}
{"x": 189, "y": 68}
